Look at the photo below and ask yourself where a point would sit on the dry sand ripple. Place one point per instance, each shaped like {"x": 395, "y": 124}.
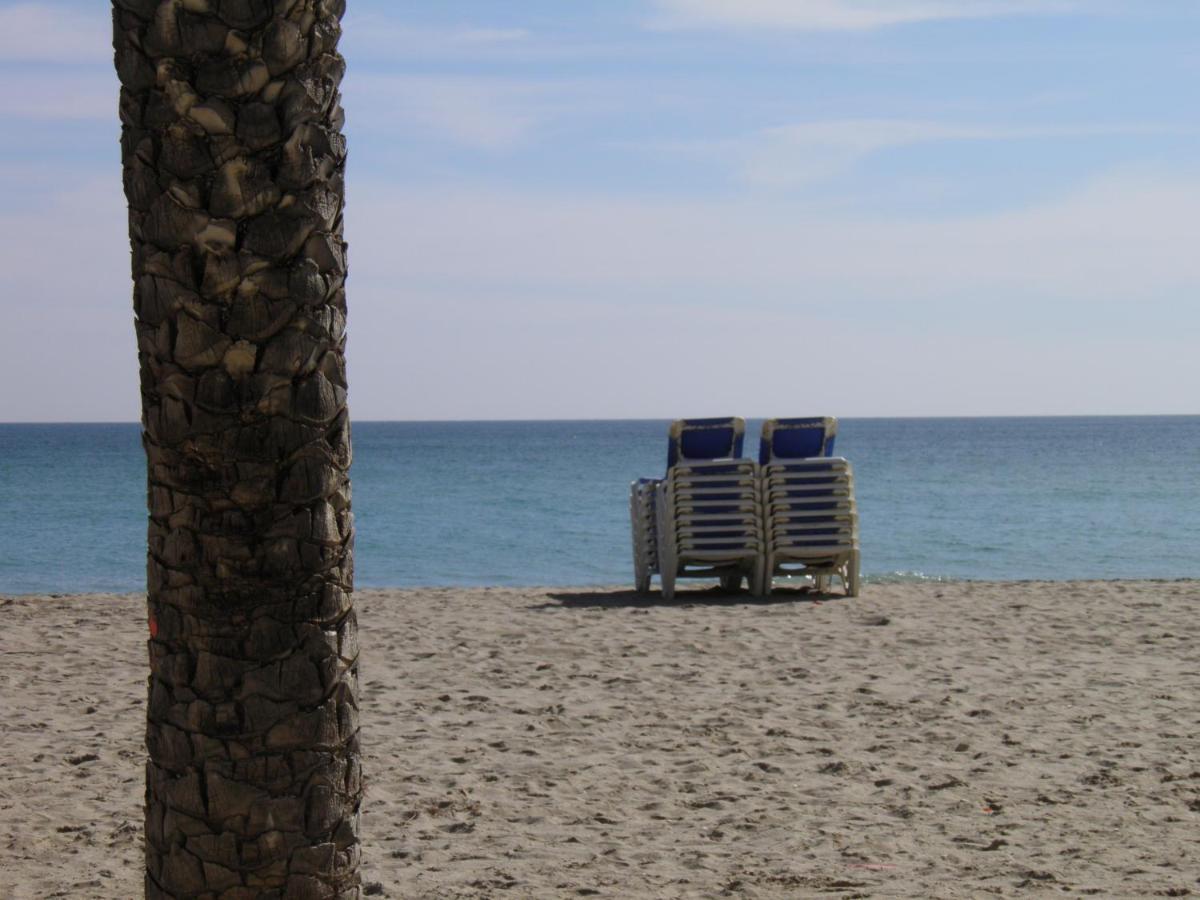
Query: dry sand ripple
{"x": 931, "y": 740}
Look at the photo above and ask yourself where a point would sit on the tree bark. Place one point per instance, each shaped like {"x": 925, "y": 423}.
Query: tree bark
{"x": 233, "y": 165}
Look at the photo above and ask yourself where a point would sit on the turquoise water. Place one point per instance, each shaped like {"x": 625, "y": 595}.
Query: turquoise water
{"x": 475, "y": 503}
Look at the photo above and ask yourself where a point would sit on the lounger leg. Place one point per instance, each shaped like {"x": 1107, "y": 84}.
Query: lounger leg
{"x": 760, "y": 581}
{"x": 641, "y": 574}
{"x": 667, "y": 562}
{"x": 852, "y": 582}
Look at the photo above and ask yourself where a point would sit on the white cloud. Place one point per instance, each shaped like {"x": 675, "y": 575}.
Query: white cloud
{"x": 64, "y": 96}
{"x": 840, "y": 15}
{"x": 79, "y": 83}
{"x": 488, "y": 302}
{"x": 1125, "y": 236}
{"x": 517, "y": 300}
{"x": 801, "y": 154}
{"x": 483, "y": 113}
{"x": 378, "y": 35}
{"x": 511, "y": 353}
{"x": 36, "y": 32}
{"x": 486, "y": 37}
{"x": 76, "y": 359}
{"x": 796, "y": 155}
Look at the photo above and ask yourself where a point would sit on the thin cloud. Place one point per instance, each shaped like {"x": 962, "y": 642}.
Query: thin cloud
{"x": 1121, "y": 237}
{"x": 84, "y": 306}
{"x": 797, "y": 155}
{"x": 802, "y": 154}
{"x": 943, "y": 307}
{"x": 36, "y": 32}
{"x": 840, "y": 15}
{"x": 480, "y": 113}
{"x": 379, "y": 36}
{"x": 382, "y": 40}
{"x": 68, "y": 96}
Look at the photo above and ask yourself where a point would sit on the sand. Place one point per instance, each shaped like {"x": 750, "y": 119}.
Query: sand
{"x": 924, "y": 740}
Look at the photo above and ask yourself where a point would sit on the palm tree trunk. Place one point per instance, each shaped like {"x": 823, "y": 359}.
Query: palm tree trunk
{"x": 233, "y": 162}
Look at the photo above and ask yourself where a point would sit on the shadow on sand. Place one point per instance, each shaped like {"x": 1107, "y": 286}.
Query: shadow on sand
{"x": 716, "y": 596}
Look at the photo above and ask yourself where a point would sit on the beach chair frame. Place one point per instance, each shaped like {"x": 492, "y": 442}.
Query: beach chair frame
{"x": 709, "y": 524}
{"x": 811, "y": 522}
{"x": 643, "y": 501}
{"x": 813, "y": 436}
{"x": 721, "y": 438}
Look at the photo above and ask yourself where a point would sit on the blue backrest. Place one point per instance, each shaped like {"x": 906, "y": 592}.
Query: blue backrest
{"x": 797, "y": 438}
{"x": 705, "y": 439}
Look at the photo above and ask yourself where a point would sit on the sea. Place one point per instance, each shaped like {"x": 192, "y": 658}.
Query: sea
{"x": 546, "y": 503}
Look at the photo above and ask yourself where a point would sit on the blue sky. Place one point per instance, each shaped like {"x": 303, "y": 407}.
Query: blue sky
{"x": 681, "y": 207}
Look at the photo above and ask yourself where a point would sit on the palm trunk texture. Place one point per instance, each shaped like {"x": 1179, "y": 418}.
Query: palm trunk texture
{"x": 233, "y": 165}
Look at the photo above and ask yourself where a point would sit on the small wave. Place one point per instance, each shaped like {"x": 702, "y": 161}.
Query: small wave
{"x": 905, "y": 578}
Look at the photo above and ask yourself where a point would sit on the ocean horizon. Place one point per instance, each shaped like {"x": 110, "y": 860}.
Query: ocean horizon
{"x": 544, "y": 502}
{"x": 751, "y": 437}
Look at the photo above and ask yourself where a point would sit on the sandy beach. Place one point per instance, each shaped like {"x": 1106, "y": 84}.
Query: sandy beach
{"x": 923, "y": 740}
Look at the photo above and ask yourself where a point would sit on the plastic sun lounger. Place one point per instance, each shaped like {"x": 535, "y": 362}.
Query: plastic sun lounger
{"x": 810, "y": 517}
{"x": 701, "y": 440}
{"x": 710, "y": 524}
{"x": 688, "y": 439}
{"x": 704, "y": 519}
{"x": 709, "y": 507}
{"x": 643, "y": 495}
{"x": 797, "y": 438}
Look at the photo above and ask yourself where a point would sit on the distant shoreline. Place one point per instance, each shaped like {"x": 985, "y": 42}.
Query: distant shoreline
{"x": 698, "y": 588}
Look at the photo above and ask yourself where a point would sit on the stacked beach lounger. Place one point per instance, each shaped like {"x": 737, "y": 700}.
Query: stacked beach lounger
{"x": 710, "y": 524}
{"x": 810, "y": 516}
{"x": 704, "y": 519}
{"x": 643, "y": 496}
{"x": 716, "y": 514}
